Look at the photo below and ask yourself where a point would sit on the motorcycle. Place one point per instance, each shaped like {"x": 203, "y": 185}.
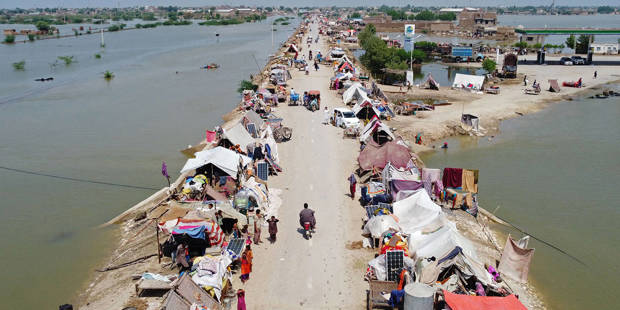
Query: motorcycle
{"x": 307, "y": 230}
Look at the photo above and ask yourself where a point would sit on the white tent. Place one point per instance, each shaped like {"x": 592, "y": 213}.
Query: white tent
{"x": 468, "y": 81}
{"x": 377, "y": 225}
{"x": 439, "y": 242}
{"x": 356, "y": 91}
{"x": 417, "y": 212}
{"x": 267, "y": 139}
{"x": 220, "y": 157}
{"x": 239, "y": 135}
{"x": 293, "y": 49}
{"x": 374, "y": 124}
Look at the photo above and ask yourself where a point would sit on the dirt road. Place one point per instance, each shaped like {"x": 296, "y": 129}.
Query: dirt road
{"x": 319, "y": 273}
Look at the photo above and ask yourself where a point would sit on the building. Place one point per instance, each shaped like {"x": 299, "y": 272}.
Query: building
{"x": 378, "y": 19}
{"x": 604, "y": 48}
{"x": 471, "y": 19}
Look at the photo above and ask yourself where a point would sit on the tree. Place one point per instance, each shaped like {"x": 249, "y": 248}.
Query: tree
{"x": 355, "y": 15}
{"x": 521, "y": 45}
{"x": 583, "y": 42}
{"x": 43, "y": 26}
{"x": 9, "y": 39}
{"x": 425, "y": 15}
{"x": 489, "y": 65}
{"x": 447, "y": 16}
{"x": 246, "y": 85}
{"x": 605, "y": 9}
{"x": 570, "y": 41}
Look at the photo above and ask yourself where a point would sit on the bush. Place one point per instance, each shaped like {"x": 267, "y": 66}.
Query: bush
{"x": 489, "y": 65}
{"x": 246, "y": 85}
{"x": 108, "y": 75}
{"x": 97, "y": 56}
{"x": 67, "y": 59}
{"x": 31, "y": 37}
{"x": 19, "y": 65}
{"x": 9, "y": 39}
{"x": 114, "y": 28}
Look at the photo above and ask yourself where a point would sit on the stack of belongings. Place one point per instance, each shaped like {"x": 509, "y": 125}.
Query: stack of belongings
{"x": 461, "y": 188}
{"x": 338, "y": 81}
{"x": 439, "y": 255}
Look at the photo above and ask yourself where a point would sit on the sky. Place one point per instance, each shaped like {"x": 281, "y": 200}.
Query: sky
{"x": 294, "y": 3}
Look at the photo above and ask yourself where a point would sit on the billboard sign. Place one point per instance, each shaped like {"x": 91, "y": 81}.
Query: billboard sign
{"x": 409, "y": 30}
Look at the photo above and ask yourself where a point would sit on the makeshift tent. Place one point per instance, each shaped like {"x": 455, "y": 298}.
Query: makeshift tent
{"x": 224, "y": 159}
{"x": 468, "y": 81}
{"x": 554, "y": 87}
{"x": 253, "y": 117}
{"x": 365, "y": 109}
{"x": 470, "y": 120}
{"x": 392, "y": 173}
{"x": 515, "y": 261}
{"x": 468, "y": 302}
{"x": 237, "y": 135}
{"x": 431, "y": 83}
{"x": 211, "y": 271}
{"x": 227, "y": 210}
{"x": 377, "y": 225}
{"x": 342, "y": 76}
{"x": 379, "y": 132}
{"x": 346, "y": 66}
{"x": 292, "y": 49}
{"x": 438, "y": 242}
{"x": 337, "y": 53}
{"x": 376, "y": 156}
{"x": 355, "y": 92}
{"x": 453, "y": 258}
{"x": 416, "y": 212}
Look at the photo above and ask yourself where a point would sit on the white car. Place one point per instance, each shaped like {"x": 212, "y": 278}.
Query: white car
{"x": 345, "y": 118}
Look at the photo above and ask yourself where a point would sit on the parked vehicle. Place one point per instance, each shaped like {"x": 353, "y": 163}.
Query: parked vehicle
{"x": 578, "y": 60}
{"x": 567, "y": 61}
{"x": 345, "y": 118}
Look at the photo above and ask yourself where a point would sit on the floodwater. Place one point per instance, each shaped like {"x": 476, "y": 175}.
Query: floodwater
{"x": 554, "y": 174}
{"x": 81, "y": 126}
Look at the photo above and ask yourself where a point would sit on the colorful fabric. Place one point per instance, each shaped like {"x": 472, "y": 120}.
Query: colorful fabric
{"x": 452, "y": 177}
{"x": 468, "y": 181}
{"x": 466, "y": 302}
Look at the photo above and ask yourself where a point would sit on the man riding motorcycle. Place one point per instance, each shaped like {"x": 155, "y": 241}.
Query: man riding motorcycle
{"x": 307, "y": 215}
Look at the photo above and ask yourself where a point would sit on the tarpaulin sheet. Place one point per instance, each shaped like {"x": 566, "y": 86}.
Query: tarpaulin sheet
{"x": 515, "y": 261}
{"x": 400, "y": 185}
{"x": 375, "y": 156}
{"x": 467, "y": 302}
{"x": 196, "y": 232}
{"x": 416, "y": 211}
{"x": 452, "y": 177}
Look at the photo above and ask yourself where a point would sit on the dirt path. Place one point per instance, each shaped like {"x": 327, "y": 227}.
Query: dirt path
{"x": 319, "y": 273}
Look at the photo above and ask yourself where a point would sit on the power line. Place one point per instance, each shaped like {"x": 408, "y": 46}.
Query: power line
{"x": 76, "y": 179}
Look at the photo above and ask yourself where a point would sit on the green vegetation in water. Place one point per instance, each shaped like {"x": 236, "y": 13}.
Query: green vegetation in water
{"x": 108, "y": 75}
{"x": 97, "y": 56}
{"x": 67, "y": 59}
{"x": 246, "y": 85}
{"x": 151, "y": 25}
{"x": 21, "y": 65}
{"x": 285, "y": 23}
{"x": 220, "y": 22}
{"x": 9, "y": 39}
{"x": 489, "y": 65}
{"x": 116, "y": 27}
{"x": 379, "y": 56}
{"x": 177, "y": 23}
{"x": 31, "y": 37}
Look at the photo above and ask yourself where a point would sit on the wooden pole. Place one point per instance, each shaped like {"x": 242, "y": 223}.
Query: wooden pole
{"x": 158, "y": 244}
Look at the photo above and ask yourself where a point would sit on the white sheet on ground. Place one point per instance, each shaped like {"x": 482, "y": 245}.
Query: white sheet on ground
{"x": 464, "y": 81}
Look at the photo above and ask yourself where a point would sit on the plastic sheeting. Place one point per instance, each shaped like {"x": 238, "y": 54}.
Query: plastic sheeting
{"x": 515, "y": 261}
{"x": 468, "y": 81}
{"x": 416, "y": 211}
{"x": 206, "y": 275}
{"x": 238, "y": 135}
{"x": 356, "y": 91}
{"x": 376, "y": 156}
{"x": 372, "y": 126}
{"x": 377, "y": 225}
{"x": 467, "y": 302}
{"x": 220, "y": 157}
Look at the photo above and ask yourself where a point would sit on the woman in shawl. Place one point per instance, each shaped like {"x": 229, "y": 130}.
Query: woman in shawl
{"x": 273, "y": 228}
{"x": 246, "y": 264}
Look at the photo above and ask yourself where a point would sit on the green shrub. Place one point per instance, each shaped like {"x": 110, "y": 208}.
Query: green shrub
{"x": 67, "y": 59}
{"x": 489, "y": 65}
{"x": 246, "y": 85}
{"x": 31, "y": 37}
{"x": 97, "y": 56}
{"x": 9, "y": 39}
{"x": 19, "y": 65}
{"x": 108, "y": 75}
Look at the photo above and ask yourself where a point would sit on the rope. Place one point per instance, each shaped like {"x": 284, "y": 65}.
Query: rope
{"x": 76, "y": 179}
{"x": 543, "y": 241}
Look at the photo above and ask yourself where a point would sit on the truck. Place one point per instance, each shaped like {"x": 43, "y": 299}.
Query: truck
{"x": 509, "y": 68}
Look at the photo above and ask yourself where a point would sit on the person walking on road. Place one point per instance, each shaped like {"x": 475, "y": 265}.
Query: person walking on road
{"x": 246, "y": 263}
{"x": 595, "y": 74}
{"x": 273, "y": 228}
{"x": 258, "y": 222}
{"x": 352, "y": 185}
